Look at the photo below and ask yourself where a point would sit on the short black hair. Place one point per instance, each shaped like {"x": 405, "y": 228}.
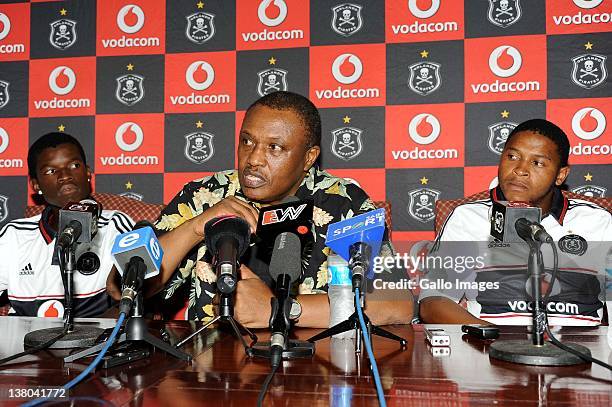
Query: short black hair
{"x": 52, "y": 139}
{"x": 548, "y": 130}
{"x": 307, "y": 111}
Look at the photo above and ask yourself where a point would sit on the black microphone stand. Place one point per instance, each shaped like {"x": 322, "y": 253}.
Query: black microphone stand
{"x": 352, "y": 322}
{"x": 135, "y": 330}
{"x": 76, "y": 336}
{"x": 538, "y": 352}
{"x": 293, "y": 348}
{"x": 226, "y": 315}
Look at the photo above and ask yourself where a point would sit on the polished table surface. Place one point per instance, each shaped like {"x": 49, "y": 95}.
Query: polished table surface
{"x": 221, "y": 374}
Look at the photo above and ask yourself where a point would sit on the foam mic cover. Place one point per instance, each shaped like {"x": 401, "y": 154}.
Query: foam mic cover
{"x": 227, "y": 227}
{"x": 286, "y": 257}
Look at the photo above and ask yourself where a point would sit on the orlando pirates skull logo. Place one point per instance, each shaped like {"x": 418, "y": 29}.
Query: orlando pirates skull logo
{"x": 573, "y": 244}
{"x": 63, "y": 34}
{"x": 346, "y": 144}
{"x": 199, "y": 147}
{"x": 498, "y": 134}
{"x": 424, "y": 77}
{"x": 4, "y": 93}
{"x": 200, "y": 27}
{"x": 504, "y": 13}
{"x": 589, "y": 70}
{"x": 347, "y": 19}
{"x": 129, "y": 89}
{"x": 271, "y": 80}
{"x": 422, "y": 201}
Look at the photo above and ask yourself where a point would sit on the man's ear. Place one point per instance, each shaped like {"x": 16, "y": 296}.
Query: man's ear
{"x": 34, "y": 185}
{"x": 311, "y": 156}
{"x": 88, "y": 173}
{"x": 562, "y": 175}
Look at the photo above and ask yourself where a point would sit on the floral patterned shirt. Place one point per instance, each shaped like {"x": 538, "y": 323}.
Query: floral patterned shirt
{"x": 334, "y": 199}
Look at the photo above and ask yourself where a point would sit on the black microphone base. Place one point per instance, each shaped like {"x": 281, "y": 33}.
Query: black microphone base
{"x": 352, "y": 323}
{"x": 80, "y": 337}
{"x": 136, "y": 331}
{"x": 526, "y": 353}
{"x": 295, "y": 349}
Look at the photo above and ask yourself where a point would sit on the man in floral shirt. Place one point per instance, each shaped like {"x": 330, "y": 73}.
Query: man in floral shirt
{"x": 279, "y": 144}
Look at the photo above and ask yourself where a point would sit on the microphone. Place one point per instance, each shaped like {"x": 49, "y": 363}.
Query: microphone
{"x": 531, "y": 231}
{"x": 504, "y": 216}
{"x": 78, "y": 222}
{"x": 357, "y": 240}
{"x": 228, "y": 238}
{"x": 285, "y": 268}
{"x": 291, "y": 215}
{"x": 137, "y": 256}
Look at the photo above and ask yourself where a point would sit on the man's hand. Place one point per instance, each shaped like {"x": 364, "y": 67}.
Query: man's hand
{"x": 253, "y": 300}
{"x": 113, "y": 284}
{"x": 228, "y": 206}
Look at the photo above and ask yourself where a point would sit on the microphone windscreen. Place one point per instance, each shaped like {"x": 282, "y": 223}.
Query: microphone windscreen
{"x": 224, "y": 227}
{"x": 286, "y": 256}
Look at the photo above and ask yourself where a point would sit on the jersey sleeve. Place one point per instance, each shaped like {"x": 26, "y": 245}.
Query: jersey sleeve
{"x": 6, "y": 249}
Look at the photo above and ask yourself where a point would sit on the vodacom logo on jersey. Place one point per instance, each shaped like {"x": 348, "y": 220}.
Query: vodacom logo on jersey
{"x": 137, "y": 26}
{"x": 509, "y": 74}
{"x": 279, "y": 24}
{"x": 62, "y": 82}
{"x": 588, "y": 124}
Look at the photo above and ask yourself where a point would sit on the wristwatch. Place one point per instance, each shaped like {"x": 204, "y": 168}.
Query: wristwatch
{"x": 296, "y": 309}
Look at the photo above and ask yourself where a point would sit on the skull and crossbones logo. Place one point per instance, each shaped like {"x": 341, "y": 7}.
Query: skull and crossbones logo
{"x": 424, "y": 77}
{"x": 423, "y": 203}
{"x": 503, "y": 9}
{"x": 272, "y": 83}
{"x": 503, "y": 137}
{"x": 589, "y": 69}
{"x": 62, "y": 33}
{"x": 198, "y": 146}
{"x": 346, "y": 142}
{"x": 346, "y": 18}
{"x": 129, "y": 89}
{"x": 200, "y": 26}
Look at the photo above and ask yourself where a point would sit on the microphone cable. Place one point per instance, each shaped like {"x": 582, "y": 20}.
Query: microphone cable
{"x": 551, "y": 337}
{"x": 36, "y": 348}
{"x": 72, "y": 383}
{"x": 366, "y": 340}
{"x": 266, "y": 384}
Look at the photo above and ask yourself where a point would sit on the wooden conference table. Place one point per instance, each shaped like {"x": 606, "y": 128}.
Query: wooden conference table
{"x": 221, "y": 374}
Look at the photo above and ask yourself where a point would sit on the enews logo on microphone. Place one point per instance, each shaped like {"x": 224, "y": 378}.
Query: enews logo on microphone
{"x": 282, "y": 214}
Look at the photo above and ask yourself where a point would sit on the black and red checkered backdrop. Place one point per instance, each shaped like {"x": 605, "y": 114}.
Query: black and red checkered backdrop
{"x": 416, "y": 96}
